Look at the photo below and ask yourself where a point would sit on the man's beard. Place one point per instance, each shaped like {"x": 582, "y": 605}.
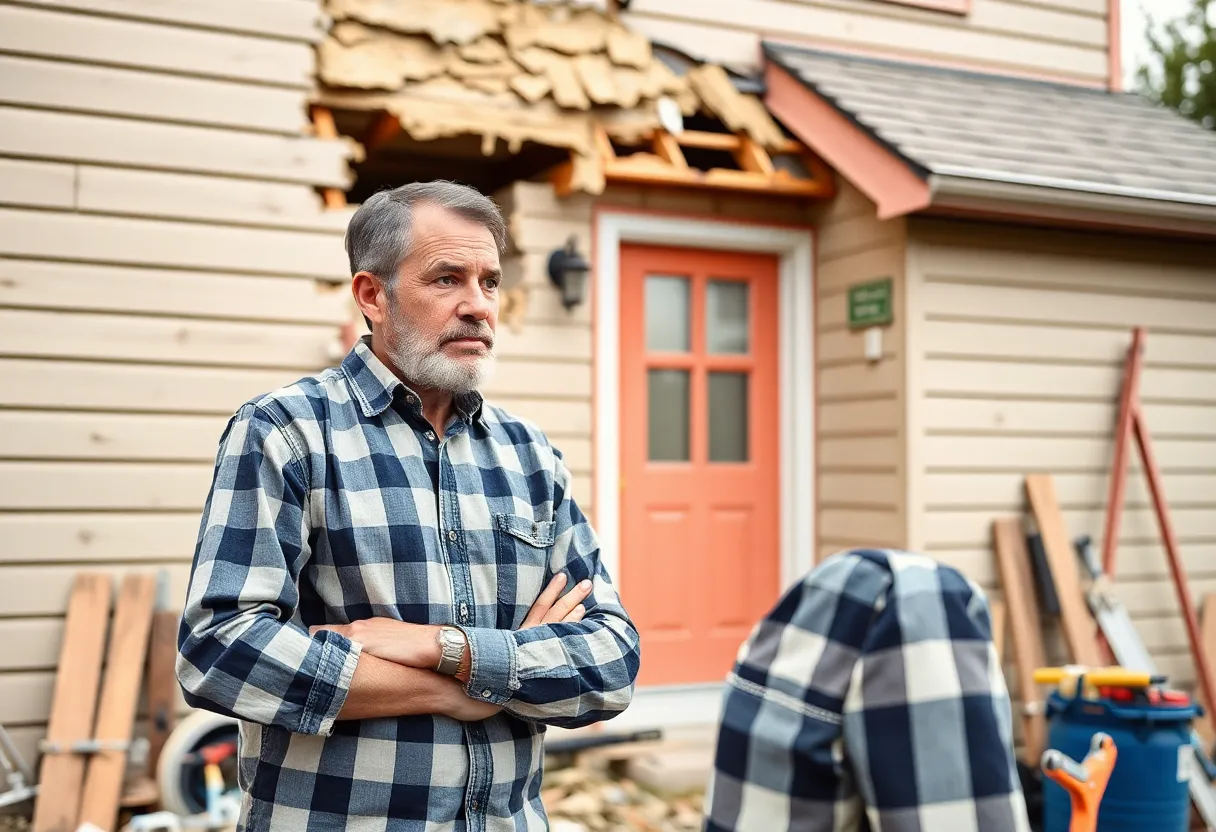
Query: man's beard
{"x": 423, "y": 363}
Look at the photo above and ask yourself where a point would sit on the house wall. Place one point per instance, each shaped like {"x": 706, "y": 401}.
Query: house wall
{"x": 862, "y": 465}
{"x": 1016, "y": 347}
{"x": 1062, "y": 39}
{"x": 163, "y": 257}
{"x": 545, "y": 370}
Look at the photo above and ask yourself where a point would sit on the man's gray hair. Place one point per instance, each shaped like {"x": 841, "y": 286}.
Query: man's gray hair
{"x": 378, "y": 236}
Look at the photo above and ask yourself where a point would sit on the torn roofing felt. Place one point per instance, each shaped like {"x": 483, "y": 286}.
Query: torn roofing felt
{"x": 989, "y": 127}
{"x": 521, "y": 71}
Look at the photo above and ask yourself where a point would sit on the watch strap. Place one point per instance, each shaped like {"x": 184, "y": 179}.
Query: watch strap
{"x": 452, "y": 642}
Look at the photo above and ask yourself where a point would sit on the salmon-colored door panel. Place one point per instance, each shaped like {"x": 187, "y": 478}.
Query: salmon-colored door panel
{"x": 699, "y": 444}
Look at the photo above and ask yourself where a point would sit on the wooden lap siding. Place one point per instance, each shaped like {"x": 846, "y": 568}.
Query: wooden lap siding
{"x": 861, "y": 461}
{"x": 1064, "y": 39}
{"x": 1018, "y": 340}
{"x": 163, "y": 256}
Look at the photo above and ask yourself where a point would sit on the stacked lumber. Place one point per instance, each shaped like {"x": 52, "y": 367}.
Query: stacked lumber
{"x": 101, "y": 674}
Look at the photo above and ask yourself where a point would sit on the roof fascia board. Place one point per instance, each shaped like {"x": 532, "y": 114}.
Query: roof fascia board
{"x": 867, "y": 163}
{"x": 959, "y": 195}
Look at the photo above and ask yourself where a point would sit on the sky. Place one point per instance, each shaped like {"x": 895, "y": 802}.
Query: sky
{"x": 1135, "y": 47}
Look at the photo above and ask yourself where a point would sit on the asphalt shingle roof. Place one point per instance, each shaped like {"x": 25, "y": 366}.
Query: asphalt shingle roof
{"x": 969, "y": 124}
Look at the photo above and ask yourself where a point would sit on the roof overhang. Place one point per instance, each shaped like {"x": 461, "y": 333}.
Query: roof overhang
{"x": 899, "y": 186}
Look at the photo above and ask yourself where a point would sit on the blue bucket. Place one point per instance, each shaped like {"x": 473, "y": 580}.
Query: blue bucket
{"x": 1148, "y": 788}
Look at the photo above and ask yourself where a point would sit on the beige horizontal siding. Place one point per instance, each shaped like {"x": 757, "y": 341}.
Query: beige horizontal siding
{"x": 860, "y": 453}
{"x": 1019, "y": 339}
{"x": 164, "y": 256}
{"x": 1058, "y": 38}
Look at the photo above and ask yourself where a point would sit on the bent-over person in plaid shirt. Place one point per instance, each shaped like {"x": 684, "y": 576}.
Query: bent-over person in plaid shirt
{"x": 394, "y": 589}
{"x": 869, "y": 698}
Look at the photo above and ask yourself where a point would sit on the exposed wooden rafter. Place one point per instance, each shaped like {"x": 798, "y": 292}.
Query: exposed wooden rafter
{"x": 666, "y": 164}
{"x": 324, "y": 127}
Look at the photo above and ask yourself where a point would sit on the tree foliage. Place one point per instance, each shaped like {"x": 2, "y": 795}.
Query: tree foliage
{"x": 1184, "y": 51}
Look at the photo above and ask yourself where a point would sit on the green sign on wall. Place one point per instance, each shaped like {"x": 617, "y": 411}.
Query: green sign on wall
{"x": 870, "y": 304}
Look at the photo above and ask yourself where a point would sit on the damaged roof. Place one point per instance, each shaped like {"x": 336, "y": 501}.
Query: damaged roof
{"x": 966, "y": 125}
{"x": 521, "y": 71}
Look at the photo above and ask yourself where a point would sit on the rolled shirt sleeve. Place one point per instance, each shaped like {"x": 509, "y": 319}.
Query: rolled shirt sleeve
{"x": 239, "y": 651}
{"x": 566, "y": 675}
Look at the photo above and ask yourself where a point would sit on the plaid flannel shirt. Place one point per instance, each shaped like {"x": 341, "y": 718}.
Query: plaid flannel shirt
{"x": 870, "y": 697}
{"x": 334, "y": 501}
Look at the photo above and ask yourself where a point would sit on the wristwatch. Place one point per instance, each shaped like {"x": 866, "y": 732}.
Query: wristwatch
{"x": 452, "y": 643}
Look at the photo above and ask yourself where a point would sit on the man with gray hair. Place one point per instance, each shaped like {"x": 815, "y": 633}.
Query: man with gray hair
{"x": 394, "y": 590}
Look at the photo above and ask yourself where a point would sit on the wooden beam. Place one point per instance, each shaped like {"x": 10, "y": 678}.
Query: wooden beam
{"x": 383, "y": 130}
{"x": 74, "y": 702}
{"x": 708, "y": 141}
{"x": 323, "y": 125}
{"x": 667, "y": 148}
{"x": 753, "y": 157}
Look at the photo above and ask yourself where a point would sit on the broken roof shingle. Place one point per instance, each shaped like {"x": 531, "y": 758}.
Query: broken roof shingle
{"x": 967, "y": 124}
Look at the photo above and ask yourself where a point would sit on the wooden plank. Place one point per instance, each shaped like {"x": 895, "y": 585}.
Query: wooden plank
{"x": 297, "y": 347}
{"x": 1080, "y": 631}
{"x": 30, "y": 644}
{"x": 999, "y": 615}
{"x": 969, "y": 527}
{"x": 1088, "y": 308}
{"x": 860, "y": 489}
{"x": 75, "y": 137}
{"x": 130, "y": 92}
{"x": 101, "y": 40}
{"x": 161, "y": 686}
{"x": 951, "y": 415}
{"x": 843, "y": 418}
{"x": 128, "y": 289}
{"x": 25, "y": 700}
{"x": 1046, "y": 453}
{"x": 119, "y": 697}
{"x": 157, "y": 243}
{"x": 843, "y": 345}
{"x": 93, "y": 486}
{"x": 288, "y": 21}
{"x": 1025, "y": 625}
{"x": 845, "y": 381}
{"x": 1063, "y": 381}
{"x": 40, "y": 434}
{"x": 44, "y": 184}
{"x": 539, "y": 378}
{"x": 160, "y": 194}
{"x": 46, "y": 538}
{"x": 62, "y": 776}
{"x": 874, "y": 527}
{"x": 1003, "y": 491}
{"x": 132, "y": 388}
{"x": 989, "y": 339}
{"x": 1207, "y": 622}
{"x": 860, "y": 453}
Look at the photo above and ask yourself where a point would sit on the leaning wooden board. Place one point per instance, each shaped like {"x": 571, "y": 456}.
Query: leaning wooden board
{"x": 73, "y": 703}
{"x": 1025, "y": 628}
{"x": 119, "y": 698}
{"x": 1077, "y": 622}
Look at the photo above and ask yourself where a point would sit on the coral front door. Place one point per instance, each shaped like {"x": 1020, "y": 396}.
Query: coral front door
{"x": 699, "y": 433}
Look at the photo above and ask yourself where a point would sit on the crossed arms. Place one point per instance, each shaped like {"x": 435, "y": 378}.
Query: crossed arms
{"x": 242, "y": 650}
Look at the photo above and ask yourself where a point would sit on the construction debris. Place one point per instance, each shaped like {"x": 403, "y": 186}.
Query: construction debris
{"x": 579, "y": 799}
{"x": 520, "y": 71}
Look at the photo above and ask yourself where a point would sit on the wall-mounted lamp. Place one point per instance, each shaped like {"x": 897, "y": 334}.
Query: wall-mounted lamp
{"x": 568, "y": 270}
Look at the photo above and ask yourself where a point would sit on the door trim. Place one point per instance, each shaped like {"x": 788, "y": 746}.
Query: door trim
{"x": 795, "y": 370}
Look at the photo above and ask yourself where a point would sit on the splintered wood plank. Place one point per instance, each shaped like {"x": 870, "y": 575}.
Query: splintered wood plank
{"x": 119, "y": 698}
{"x": 1206, "y": 725}
{"x": 1080, "y": 629}
{"x": 74, "y": 702}
{"x": 162, "y": 683}
{"x": 1022, "y": 608}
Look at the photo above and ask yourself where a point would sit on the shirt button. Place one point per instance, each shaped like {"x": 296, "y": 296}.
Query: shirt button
{"x": 430, "y": 435}
{"x": 476, "y": 806}
{"x": 464, "y": 611}
{"x": 452, "y": 536}
{"x": 411, "y": 399}
{"x": 486, "y": 694}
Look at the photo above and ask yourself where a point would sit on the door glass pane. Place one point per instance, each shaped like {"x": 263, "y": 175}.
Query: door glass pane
{"x": 726, "y": 316}
{"x": 728, "y": 417}
{"x": 668, "y": 414}
{"x": 667, "y": 314}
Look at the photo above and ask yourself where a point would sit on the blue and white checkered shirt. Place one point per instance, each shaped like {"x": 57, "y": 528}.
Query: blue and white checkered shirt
{"x": 333, "y": 501}
{"x": 870, "y": 697}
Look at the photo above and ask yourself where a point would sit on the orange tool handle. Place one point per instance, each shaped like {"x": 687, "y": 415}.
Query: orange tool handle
{"x": 1086, "y": 781}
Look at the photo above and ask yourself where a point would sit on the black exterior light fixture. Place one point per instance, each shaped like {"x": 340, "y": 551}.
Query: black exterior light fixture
{"x": 568, "y": 270}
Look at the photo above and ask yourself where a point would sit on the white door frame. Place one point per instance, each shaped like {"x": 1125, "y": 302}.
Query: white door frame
{"x": 795, "y": 312}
